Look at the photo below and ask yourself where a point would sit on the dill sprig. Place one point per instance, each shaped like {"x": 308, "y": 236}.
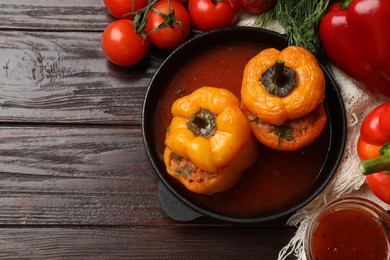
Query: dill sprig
{"x": 265, "y": 18}
{"x": 300, "y": 19}
{"x": 284, "y": 132}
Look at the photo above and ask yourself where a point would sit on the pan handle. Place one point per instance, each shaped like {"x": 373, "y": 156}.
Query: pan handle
{"x": 173, "y": 207}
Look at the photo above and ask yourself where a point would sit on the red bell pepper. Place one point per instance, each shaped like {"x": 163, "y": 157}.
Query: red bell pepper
{"x": 373, "y": 148}
{"x": 355, "y": 35}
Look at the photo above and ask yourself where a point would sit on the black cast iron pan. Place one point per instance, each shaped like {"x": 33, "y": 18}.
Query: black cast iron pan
{"x": 174, "y": 201}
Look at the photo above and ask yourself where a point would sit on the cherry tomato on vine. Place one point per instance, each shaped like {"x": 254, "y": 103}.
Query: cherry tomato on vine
{"x": 212, "y": 14}
{"x": 168, "y": 25}
{"x": 120, "y": 7}
{"x": 122, "y": 45}
{"x": 256, "y": 6}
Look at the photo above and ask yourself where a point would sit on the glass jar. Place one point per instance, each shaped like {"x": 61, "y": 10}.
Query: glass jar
{"x": 349, "y": 228}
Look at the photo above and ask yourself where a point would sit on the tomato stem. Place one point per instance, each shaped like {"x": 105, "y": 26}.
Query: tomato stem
{"x": 377, "y": 164}
{"x": 170, "y": 20}
{"x": 140, "y": 19}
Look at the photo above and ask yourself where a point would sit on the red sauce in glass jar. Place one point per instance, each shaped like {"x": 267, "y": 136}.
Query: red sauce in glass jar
{"x": 349, "y": 233}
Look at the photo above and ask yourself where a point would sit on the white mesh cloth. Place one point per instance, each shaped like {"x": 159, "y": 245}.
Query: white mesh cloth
{"x": 347, "y": 181}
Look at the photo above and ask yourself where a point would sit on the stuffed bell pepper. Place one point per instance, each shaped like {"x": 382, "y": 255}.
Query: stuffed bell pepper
{"x": 209, "y": 142}
{"x": 282, "y": 95}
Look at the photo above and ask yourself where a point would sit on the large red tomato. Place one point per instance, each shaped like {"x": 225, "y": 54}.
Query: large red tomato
{"x": 168, "y": 25}
{"x": 256, "y": 6}
{"x": 118, "y": 8}
{"x": 212, "y": 14}
{"x": 122, "y": 45}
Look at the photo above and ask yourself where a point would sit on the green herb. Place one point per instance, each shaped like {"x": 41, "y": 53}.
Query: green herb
{"x": 180, "y": 92}
{"x": 255, "y": 119}
{"x": 284, "y": 132}
{"x": 265, "y": 18}
{"x": 176, "y": 157}
{"x": 184, "y": 172}
{"x": 300, "y": 19}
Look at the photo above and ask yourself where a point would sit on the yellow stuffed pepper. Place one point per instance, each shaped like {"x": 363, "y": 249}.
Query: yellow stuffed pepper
{"x": 282, "y": 95}
{"x": 209, "y": 142}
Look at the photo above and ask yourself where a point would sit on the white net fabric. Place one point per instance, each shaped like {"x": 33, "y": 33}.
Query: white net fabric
{"x": 347, "y": 181}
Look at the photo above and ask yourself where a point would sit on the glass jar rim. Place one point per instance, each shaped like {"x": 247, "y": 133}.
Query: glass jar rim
{"x": 348, "y": 203}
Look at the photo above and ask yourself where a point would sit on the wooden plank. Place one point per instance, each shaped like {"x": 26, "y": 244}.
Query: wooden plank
{"x": 78, "y": 176}
{"x": 65, "y": 78}
{"x": 57, "y": 175}
{"x": 70, "y": 15}
{"x": 66, "y": 152}
{"x": 177, "y": 242}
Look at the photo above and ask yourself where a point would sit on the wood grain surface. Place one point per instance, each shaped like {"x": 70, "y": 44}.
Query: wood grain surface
{"x": 75, "y": 180}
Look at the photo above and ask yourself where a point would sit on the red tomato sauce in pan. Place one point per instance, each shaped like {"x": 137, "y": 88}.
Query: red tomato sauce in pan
{"x": 278, "y": 179}
{"x": 349, "y": 234}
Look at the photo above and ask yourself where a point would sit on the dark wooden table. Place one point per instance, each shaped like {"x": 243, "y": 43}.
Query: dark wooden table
{"x": 75, "y": 181}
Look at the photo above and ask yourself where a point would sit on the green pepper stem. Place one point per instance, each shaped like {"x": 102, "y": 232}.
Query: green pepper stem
{"x": 280, "y": 76}
{"x": 344, "y": 4}
{"x": 279, "y": 79}
{"x": 203, "y": 123}
{"x": 377, "y": 164}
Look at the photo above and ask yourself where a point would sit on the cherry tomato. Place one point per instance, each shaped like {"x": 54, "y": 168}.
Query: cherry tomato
{"x": 256, "y": 6}
{"x": 122, "y": 45}
{"x": 212, "y": 14}
{"x": 120, "y": 7}
{"x": 168, "y": 25}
